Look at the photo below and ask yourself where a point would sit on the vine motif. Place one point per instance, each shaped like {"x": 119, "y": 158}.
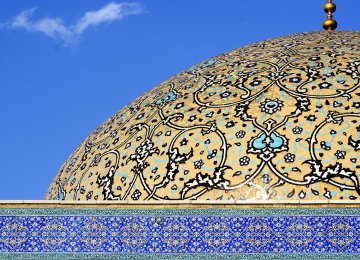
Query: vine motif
{"x": 274, "y": 120}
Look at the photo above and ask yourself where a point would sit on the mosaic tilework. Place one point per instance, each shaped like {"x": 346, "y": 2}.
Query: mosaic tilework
{"x": 175, "y": 256}
{"x": 163, "y": 233}
{"x": 278, "y": 119}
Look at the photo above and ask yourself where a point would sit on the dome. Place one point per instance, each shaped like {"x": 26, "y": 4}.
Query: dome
{"x": 275, "y": 120}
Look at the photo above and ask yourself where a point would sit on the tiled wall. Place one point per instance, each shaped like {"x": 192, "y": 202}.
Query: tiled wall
{"x": 160, "y": 232}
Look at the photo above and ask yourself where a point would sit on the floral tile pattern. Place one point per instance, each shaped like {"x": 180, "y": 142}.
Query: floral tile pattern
{"x": 184, "y": 232}
{"x": 277, "y": 119}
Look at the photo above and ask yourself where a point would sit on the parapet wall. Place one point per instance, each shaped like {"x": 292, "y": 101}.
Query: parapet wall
{"x": 201, "y": 230}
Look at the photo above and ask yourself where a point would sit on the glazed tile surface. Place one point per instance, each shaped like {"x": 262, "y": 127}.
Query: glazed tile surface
{"x": 198, "y": 232}
{"x": 278, "y": 119}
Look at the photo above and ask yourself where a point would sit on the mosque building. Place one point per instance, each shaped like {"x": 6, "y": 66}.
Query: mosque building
{"x": 250, "y": 154}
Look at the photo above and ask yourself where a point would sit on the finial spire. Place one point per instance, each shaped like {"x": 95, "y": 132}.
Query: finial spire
{"x": 330, "y": 23}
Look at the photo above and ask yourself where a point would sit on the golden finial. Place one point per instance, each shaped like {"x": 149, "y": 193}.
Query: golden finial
{"x": 330, "y": 23}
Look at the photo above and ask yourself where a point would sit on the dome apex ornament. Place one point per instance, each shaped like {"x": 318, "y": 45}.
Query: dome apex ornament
{"x": 329, "y": 24}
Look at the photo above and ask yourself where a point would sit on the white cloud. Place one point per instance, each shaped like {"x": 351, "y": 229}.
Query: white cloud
{"x": 108, "y": 13}
{"x": 22, "y": 20}
{"x": 52, "y": 27}
{"x": 56, "y": 28}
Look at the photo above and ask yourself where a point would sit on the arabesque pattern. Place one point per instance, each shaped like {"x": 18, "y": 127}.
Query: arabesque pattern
{"x": 188, "y": 232}
{"x": 278, "y": 119}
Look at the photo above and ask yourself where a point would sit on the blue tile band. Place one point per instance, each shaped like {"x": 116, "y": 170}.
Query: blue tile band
{"x": 179, "y": 233}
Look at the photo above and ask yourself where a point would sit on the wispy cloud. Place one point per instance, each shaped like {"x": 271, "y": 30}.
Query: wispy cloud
{"x": 108, "y": 13}
{"x": 57, "y": 29}
{"x": 52, "y": 27}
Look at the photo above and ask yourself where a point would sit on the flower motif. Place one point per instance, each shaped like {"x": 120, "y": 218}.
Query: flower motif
{"x": 340, "y": 154}
{"x": 297, "y": 130}
{"x": 113, "y": 133}
{"x": 267, "y": 145}
{"x": 198, "y": 164}
{"x": 277, "y": 75}
{"x": 244, "y": 160}
{"x": 136, "y": 195}
{"x": 270, "y": 106}
{"x": 289, "y": 157}
{"x": 266, "y": 178}
{"x": 240, "y": 134}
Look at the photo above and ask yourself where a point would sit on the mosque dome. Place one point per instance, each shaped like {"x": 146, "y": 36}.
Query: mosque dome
{"x": 274, "y": 120}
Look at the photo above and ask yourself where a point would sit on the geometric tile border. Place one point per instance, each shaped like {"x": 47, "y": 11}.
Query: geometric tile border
{"x": 304, "y": 233}
{"x": 176, "y": 256}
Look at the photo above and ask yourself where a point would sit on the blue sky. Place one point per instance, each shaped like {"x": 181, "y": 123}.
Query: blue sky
{"x": 66, "y": 66}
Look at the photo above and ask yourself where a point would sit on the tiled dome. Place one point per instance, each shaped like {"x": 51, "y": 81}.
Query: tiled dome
{"x": 278, "y": 119}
